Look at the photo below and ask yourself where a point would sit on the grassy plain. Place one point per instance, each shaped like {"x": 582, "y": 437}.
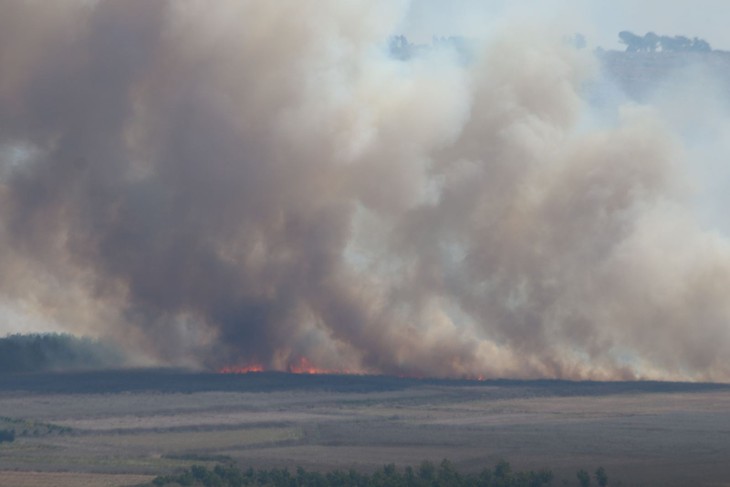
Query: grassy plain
{"x": 102, "y": 430}
{"x": 68, "y": 479}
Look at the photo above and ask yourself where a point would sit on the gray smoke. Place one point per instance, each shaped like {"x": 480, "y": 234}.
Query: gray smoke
{"x": 56, "y": 352}
{"x": 252, "y": 182}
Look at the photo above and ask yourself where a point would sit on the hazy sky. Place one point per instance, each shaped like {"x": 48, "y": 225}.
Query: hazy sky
{"x": 599, "y": 20}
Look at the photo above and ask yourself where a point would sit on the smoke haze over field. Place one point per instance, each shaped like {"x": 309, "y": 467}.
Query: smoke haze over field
{"x": 56, "y": 352}
{"x": 237, "y": 183}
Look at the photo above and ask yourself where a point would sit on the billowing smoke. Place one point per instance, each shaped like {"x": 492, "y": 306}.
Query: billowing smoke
{"x": 232, "y": 183}
{"x": 56, "y": 352}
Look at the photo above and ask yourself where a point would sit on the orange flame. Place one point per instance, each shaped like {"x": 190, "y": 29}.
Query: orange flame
{"x": 241, "y": 369}
{"x": 304, "y": 366}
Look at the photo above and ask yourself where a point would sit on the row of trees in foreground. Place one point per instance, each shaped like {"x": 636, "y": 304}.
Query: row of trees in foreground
{"x": 427, "y": 474}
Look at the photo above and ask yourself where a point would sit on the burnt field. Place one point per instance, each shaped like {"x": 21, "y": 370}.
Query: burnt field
{"x": 121, "y": 428}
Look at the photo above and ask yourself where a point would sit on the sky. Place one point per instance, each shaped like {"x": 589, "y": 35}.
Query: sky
{"x": 599, "y": 21}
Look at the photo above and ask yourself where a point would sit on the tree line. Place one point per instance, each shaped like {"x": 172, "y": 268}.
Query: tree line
{"x": 651, "y": 42}
{"x": 427, "y": 474}
{"x": 42, "y": 352}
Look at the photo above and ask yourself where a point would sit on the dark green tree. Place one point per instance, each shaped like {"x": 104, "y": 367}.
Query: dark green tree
{"x": 601, "y": 477}
{"x": 700, "y": 45}
{"x": 502, "y": 470}
{"x": 650, "y": 42}
{"x": 7, "y": 435}
{"x": 583, "y": 478}
{"x": 447, "y": 474}
{"x": 427, "y": 471}
{"x": 633, "y": 42}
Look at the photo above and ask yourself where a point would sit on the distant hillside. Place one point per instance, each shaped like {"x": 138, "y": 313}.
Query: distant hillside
{"x": 640, "y": 73}
{"x": 646, "y": 64}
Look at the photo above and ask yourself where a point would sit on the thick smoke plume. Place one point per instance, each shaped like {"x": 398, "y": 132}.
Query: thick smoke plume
{"x": 234, "y": 183}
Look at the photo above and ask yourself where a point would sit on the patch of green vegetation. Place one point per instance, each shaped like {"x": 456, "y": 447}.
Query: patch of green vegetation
{"x": 29, "y": 428}
{"x": 7, "y": 436}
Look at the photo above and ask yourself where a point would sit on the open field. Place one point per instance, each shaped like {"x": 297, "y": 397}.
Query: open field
{"x": 66, "y": 479}
{"x": 146, "y": 423}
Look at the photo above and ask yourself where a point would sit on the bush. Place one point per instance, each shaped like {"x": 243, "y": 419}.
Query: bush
{"x": 7, "y": 435}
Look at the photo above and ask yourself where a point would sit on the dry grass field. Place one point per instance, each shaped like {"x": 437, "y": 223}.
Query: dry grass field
{"x": 66, "y": 479}
{"x": 642, "y": 433}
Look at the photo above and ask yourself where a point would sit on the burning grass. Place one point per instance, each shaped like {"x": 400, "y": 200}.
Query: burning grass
{"x": 302, "y": 366}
